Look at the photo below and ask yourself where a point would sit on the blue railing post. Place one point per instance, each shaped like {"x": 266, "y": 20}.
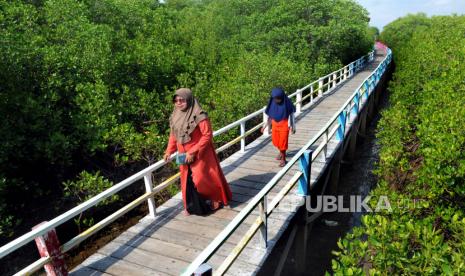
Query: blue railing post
{"x": 305, "y": 166}
{"x": 342, "y": 126}
{"x": 372, "y": 84}
{"x": 367, "y": 89}
{"x": 377, "y": 76}
{"x": 356, "y": 104}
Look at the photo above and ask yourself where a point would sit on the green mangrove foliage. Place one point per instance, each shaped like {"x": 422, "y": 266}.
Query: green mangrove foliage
{"x": 422, "y": 158}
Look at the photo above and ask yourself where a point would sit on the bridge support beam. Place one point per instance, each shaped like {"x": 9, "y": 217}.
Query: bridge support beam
{"x": 335, "y": 171}
{"x": 378, "y": 91}
{"x": 363, "y": 121}
{"x": 301, "y": 242}
{"x": 371, "y": 106}
{"x": 352, "y": 143}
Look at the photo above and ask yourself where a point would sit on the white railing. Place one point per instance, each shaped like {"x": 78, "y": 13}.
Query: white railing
{"x": 336, "y": 125}
{"x": 313, "y": 90}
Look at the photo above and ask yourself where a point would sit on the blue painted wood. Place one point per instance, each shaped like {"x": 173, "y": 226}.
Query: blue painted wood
{"x": 377, "y": 75}
{"x": 342, "y": 126}
{"x": 373, "y": 83}
{"x": 305, "y": 166}
{"x": 356, "y": 101}
{"x": 366, "y": 86}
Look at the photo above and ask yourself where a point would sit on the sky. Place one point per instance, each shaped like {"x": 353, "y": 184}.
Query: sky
{"x": 383, "y": 12}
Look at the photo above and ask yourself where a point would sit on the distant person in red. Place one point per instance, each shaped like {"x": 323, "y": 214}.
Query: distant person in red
{"x": 191, "y": 133}
{"x": 280, "y": 111}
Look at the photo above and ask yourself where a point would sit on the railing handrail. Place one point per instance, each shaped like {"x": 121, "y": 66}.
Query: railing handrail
{"x": 45, "y": 227}
{"x": 210, "y": 250}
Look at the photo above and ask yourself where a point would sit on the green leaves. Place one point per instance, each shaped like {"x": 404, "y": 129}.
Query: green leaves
{"x": 85, "y": 187}
{"x": 422, "y": 155}
{"x": 88, "y": 185}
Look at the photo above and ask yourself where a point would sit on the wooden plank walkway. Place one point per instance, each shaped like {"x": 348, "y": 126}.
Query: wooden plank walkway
{"x": 167, "y": 244}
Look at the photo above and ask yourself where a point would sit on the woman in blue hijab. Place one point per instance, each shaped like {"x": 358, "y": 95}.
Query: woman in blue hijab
{"x": 280, "y": 111}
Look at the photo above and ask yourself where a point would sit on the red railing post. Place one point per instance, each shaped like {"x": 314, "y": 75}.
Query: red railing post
{"x": 49, "y": 246}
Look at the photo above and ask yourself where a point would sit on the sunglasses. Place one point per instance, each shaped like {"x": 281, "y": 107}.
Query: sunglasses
{"x": 179, "y": 100}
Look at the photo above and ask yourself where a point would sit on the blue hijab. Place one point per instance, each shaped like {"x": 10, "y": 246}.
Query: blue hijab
{"x": 281, "y": 111}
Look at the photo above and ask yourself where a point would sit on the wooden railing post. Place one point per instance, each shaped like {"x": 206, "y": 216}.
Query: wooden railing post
{"x": 320, "y": 87}
{"x": 366, "y": 87}
{"x": 49, "y": 246}
{"x": 347, "y": 112}
{"x": 356, "y": 101}
{"x": 305, "y": 166}
{"x": 342, "y": 126}
{"x": 298, "y": 106}
{"x": 148, "y": 189}
{"x": 263, "y": 215}
{"x": 311, "y": 93}
{"x": 242, "y": 135}
{"x": 265, "y": 123}
{"x": 373, "y": 83}
{"x": 326, "y": 140}
{"x": 334, "y": 80}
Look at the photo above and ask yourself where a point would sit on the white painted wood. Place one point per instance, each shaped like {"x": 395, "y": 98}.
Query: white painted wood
{"x": 148, "y": 189}
{"x": 242, "y": 126}
{"x": 298, "y": 107}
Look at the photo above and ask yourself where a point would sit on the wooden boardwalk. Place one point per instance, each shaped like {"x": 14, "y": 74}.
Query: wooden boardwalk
{"x": 167, "y": 244}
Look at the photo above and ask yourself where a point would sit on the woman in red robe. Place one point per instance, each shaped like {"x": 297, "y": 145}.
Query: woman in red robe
{"x": 191, "y": 133}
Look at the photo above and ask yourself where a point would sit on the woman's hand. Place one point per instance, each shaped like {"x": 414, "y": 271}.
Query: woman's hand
{"x": 166, "y": 157}
{"x": 189, "y": 157}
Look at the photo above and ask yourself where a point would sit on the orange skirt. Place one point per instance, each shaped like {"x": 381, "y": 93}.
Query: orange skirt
{"x": 280, "y": 134}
